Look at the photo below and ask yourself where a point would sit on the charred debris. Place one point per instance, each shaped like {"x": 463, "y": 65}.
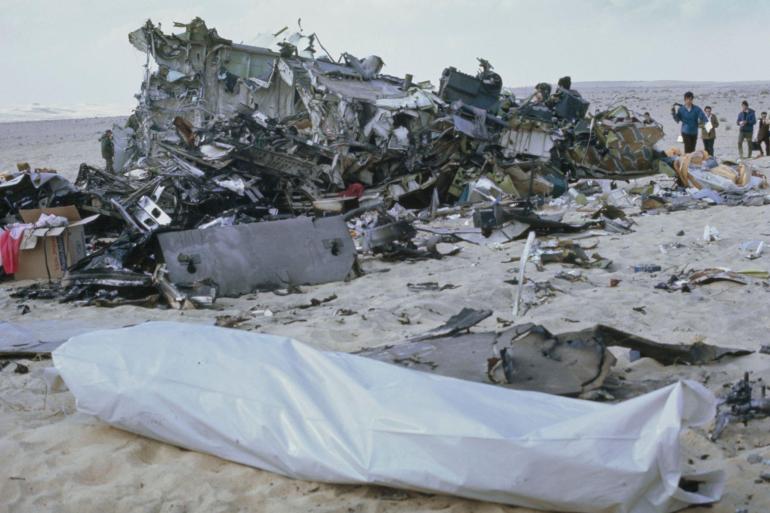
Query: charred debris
{"x": 287, "y": 152}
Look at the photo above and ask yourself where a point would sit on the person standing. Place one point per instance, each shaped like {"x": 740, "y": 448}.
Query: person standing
{"x": 763, "y": 134}
{"x": 690, "y": 115}
{"x": 108, "y": 150}
{"x": 746, "y": 121}
{"x": 708, "y": 131}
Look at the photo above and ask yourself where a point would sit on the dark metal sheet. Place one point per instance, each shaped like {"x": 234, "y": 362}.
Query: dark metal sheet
{"x": 534, "y": 359}
{"x": 243, "y": 258}
{"x": 31, "y": 338}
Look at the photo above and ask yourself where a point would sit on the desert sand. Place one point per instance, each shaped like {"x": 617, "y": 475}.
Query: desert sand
{"x": 56, "y": 459}
{"x": 55, "y": 144}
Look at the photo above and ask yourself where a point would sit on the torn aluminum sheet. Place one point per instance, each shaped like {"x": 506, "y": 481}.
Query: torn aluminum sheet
{"x": 529, "y": 357}
{"x": 106, "y": 277}
{"x": 614, "y": 144}
{"x": 149, "y": 215}
{"x": 215, "y": 151}
{"x": 461, "y": 321}
{"x": 525, "y": 357}
{"x": 37, "y": 338}
{"x": 235, "y": 185}
{"x": 667, "y": 354}
{"x": 277, "y": 404}
{"x": 528, "y": 138}
{"x": 272, "y": 254}
{"x": 476, "y": 127}
{"x": 417, "y": 99}
{"x": 125, "y": 149}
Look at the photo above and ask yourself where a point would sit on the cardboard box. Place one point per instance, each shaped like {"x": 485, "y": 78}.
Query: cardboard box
{"x": 46, "y": 253}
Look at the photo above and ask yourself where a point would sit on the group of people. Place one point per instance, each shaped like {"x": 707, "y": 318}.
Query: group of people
{"x": 693, "y": 119}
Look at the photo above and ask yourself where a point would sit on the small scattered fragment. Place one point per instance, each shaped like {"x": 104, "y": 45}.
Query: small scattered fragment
{"x": 752, "y": 249}
{"x": 461, "y": 321}
{"x": 685, "y": 281}
{"x": 740, "y": 405}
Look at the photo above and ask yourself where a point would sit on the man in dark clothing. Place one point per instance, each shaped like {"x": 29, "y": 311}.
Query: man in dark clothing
{"x": 690, "y": 116}
{"x": 763, "y": 134}
{"x": 567, "y": 103}
{"x": 108, "y": 150}
{"x": 542, "y": 93}
{"x": 746, "y": 120}
{"x": 566, "y": 84}
{"x": 708, "y": 131}
{"x": 647, "y": 119}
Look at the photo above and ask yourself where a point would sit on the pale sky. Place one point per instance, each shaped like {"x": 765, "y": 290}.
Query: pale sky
{"x": 66, "y": 52}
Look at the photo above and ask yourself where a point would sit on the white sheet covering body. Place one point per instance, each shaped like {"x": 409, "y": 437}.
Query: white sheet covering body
{"x": 277, "y": 404}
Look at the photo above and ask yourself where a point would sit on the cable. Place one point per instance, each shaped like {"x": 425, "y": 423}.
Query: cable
{"x": 45, "y": 255}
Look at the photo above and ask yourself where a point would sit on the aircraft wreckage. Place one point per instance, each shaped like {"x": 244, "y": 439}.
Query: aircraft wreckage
{"x": 284, "y": 129}
{"x": 226, "y": 137}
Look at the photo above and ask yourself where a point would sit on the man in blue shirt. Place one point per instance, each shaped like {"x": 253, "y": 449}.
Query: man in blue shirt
{"x": 690, "y": 116}
{"x": 746, "y": 120}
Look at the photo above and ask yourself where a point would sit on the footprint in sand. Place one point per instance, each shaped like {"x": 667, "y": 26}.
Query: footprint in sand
{"x": 99, "y": 471}
{"x": 146, "y": 451}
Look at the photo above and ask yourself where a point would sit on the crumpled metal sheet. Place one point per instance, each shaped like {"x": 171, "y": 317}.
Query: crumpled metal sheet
{"x": 125, "y": 149}
{"x": 525, "y": 357}
{"x": 33, "y": 338}
{"x": 615, "y": 143}
{"x": 529, "y": 357}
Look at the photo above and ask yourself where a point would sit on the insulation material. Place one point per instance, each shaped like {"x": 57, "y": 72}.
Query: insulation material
{"x": 692, "y": 173}
{"x": 277, "y": 404}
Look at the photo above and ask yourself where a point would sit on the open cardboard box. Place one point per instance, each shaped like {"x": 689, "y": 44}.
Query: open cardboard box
{"x": 48, "y": 252}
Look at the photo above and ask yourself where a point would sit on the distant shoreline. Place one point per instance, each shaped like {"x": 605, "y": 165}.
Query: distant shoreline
{"x": 518, "y": 90}
{"x": 49, "y": 120}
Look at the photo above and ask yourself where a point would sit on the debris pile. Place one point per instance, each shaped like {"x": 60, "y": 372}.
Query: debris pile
{"x": 226, "y": 135}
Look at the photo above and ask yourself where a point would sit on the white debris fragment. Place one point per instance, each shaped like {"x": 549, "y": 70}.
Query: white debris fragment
{"x": 710, "y": 233}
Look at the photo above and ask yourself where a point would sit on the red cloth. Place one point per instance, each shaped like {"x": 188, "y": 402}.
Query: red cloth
{"x": 354, "y": 190}
{"x": 9, "y": 251}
